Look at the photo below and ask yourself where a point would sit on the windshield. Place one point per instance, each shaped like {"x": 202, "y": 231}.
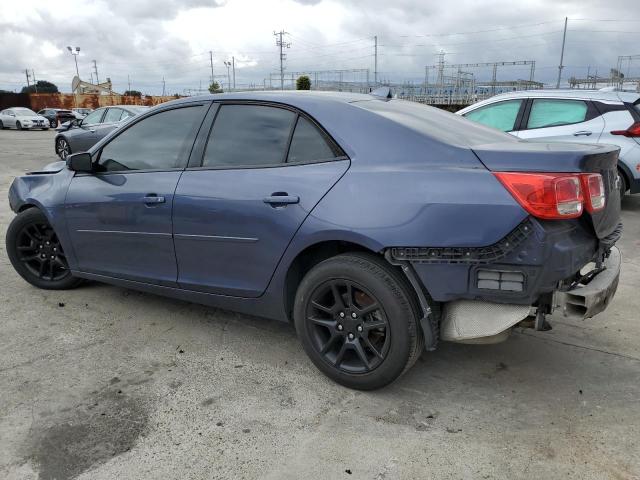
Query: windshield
{"x": 24, "y": 112}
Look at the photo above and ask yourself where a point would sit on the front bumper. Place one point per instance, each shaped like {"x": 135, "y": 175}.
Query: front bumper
{"x": 585, "y": 300}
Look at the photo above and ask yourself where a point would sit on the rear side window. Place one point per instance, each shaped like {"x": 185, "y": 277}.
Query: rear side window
{"x": 113, "y": 115}
{"x": 249, "y": 135}
{"x": 553, "y": 113}
{"x": 308, "y": 143}
{"x": 161, "y": 141}
{"x": 501, "y": 115}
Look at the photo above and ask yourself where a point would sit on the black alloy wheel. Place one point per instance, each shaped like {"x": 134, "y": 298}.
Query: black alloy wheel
{"x": 53, "y": 123}
{"x": 348, "y": 326}
{"x": 356, "y": 317}
{"x": 36, "y": 253}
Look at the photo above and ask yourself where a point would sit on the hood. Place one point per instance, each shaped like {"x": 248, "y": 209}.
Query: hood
{"x": 54, "y": 167}
{"x": 63, "y": 127}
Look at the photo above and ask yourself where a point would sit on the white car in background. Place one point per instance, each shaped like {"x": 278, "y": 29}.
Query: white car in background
{"x": 22, "y": 119}
{"x": 585, "y": 116}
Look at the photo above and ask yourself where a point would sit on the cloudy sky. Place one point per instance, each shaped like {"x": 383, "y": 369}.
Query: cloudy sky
{"x": 146, "y": 40}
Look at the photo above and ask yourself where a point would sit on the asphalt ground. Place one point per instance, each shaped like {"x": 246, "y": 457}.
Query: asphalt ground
{"x": 102, "y": 382}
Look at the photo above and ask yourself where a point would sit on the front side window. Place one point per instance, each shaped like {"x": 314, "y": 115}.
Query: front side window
{"x": 246, "y": 135}
{"x": 113, "y": 115}
{"x": 501, "y": 115}
{"x": 159, "y": 142}
{"x": 93, "y": 118}
{"x": 308, "y": 143}
{"x": 553, "y": 113}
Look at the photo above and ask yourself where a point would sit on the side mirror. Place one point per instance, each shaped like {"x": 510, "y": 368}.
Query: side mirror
{"x": 80, "y": 162}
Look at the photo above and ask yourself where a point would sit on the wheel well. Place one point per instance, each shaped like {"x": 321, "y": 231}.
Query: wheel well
{"x": 26, "y": 206}
{"x": 307, "y": 259}
{"x": 625, "y": 176}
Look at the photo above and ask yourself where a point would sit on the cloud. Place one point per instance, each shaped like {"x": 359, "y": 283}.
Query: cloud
{"x": 146, "y": 40}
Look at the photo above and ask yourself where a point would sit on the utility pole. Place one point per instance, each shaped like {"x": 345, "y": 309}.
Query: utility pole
{"x": 228, "y": 64}
{"x": 375, "y": 61}
{"x": 95, "y": 69}
{"x": 560, "y": 67}
{"x": 211, "y": 62}
{"x": 33, "y": 77}
{"x": 26, "y": 71}
{"x": 282, "y": 44}
{"x": 233, "y": 66}
{"x": 163, "y": 86}
{"x": 129, "y": 83}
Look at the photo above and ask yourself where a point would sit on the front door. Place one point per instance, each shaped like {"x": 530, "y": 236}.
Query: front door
{"x": 561, "y": 120}
{"x": 119, "y": 218}
{"x": 264, "y": 170}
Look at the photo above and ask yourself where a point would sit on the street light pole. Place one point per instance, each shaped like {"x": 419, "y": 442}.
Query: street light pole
{"x": 75, "y": 52}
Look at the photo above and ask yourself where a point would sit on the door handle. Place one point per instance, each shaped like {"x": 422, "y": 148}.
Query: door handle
{"x": 281, "y": 199}
{"x": 582, "y": 133}
{"x": 152, "y": 198}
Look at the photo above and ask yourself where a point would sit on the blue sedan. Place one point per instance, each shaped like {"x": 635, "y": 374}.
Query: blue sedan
{"x": 378, "y": 227}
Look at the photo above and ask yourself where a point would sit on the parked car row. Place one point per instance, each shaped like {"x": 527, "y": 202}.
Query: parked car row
{"x": 587, "y": 116}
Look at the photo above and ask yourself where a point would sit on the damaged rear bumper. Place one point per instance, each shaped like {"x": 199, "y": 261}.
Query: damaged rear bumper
{"x": 586, "y": 300}
{"x": 474, "y": 321}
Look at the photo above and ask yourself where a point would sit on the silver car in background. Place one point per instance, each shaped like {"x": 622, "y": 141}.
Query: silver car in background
{"x": 585, "y": 116}
{"x": 80, "y": 135}
{"x": 22, "y": 118}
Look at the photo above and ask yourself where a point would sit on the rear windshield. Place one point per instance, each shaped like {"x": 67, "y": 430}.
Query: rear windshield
{"x": 441, "y": 125}
{"x": 636, "y": 107}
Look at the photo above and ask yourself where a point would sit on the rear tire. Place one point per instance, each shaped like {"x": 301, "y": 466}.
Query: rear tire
{"x": 53, "y": 123}
{"x": 2, "y": 127}
{"x": 623, "y": 185}
{"x": 36, "y": 254}
{"x": 357, "y": 320}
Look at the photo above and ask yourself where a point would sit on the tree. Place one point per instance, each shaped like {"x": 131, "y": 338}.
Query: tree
{"x": 41, "y": 86}
{"x": 215, "y": 87}
{"x": 132, "y": 93}
{"x": 303, "y": 83}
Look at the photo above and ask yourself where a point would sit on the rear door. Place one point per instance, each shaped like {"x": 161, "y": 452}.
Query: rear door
{"x": 86, "y": 135}
{"x": 109, "y": 122}
{"x": 562, "y": 120}
{"x": 263, "y": 169}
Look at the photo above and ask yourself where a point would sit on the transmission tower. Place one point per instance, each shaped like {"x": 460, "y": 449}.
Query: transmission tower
{"x": 282, "y": 44}
{"x": 95, "y": 70}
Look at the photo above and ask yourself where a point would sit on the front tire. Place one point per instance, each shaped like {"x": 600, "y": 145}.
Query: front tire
{"x": 356, "y": 318}
{"x": 36, "y": 253}
{"x": 18, "y": 126}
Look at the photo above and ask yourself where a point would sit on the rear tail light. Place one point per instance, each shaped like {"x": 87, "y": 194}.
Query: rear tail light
{"x": 593, "y": 188}
{"x": 555, "y": 196}
{"x": 632, "y": 131}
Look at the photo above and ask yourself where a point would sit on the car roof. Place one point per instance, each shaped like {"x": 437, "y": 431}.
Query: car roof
{"x": 291, "y": 97}
{"x": 604, "y": 95}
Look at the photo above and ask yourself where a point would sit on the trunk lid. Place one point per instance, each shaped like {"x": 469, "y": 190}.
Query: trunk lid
{"x": 562, "y": 158}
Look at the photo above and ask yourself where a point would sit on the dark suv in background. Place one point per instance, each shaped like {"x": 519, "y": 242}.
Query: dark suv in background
{"x": 57, "y": 116}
